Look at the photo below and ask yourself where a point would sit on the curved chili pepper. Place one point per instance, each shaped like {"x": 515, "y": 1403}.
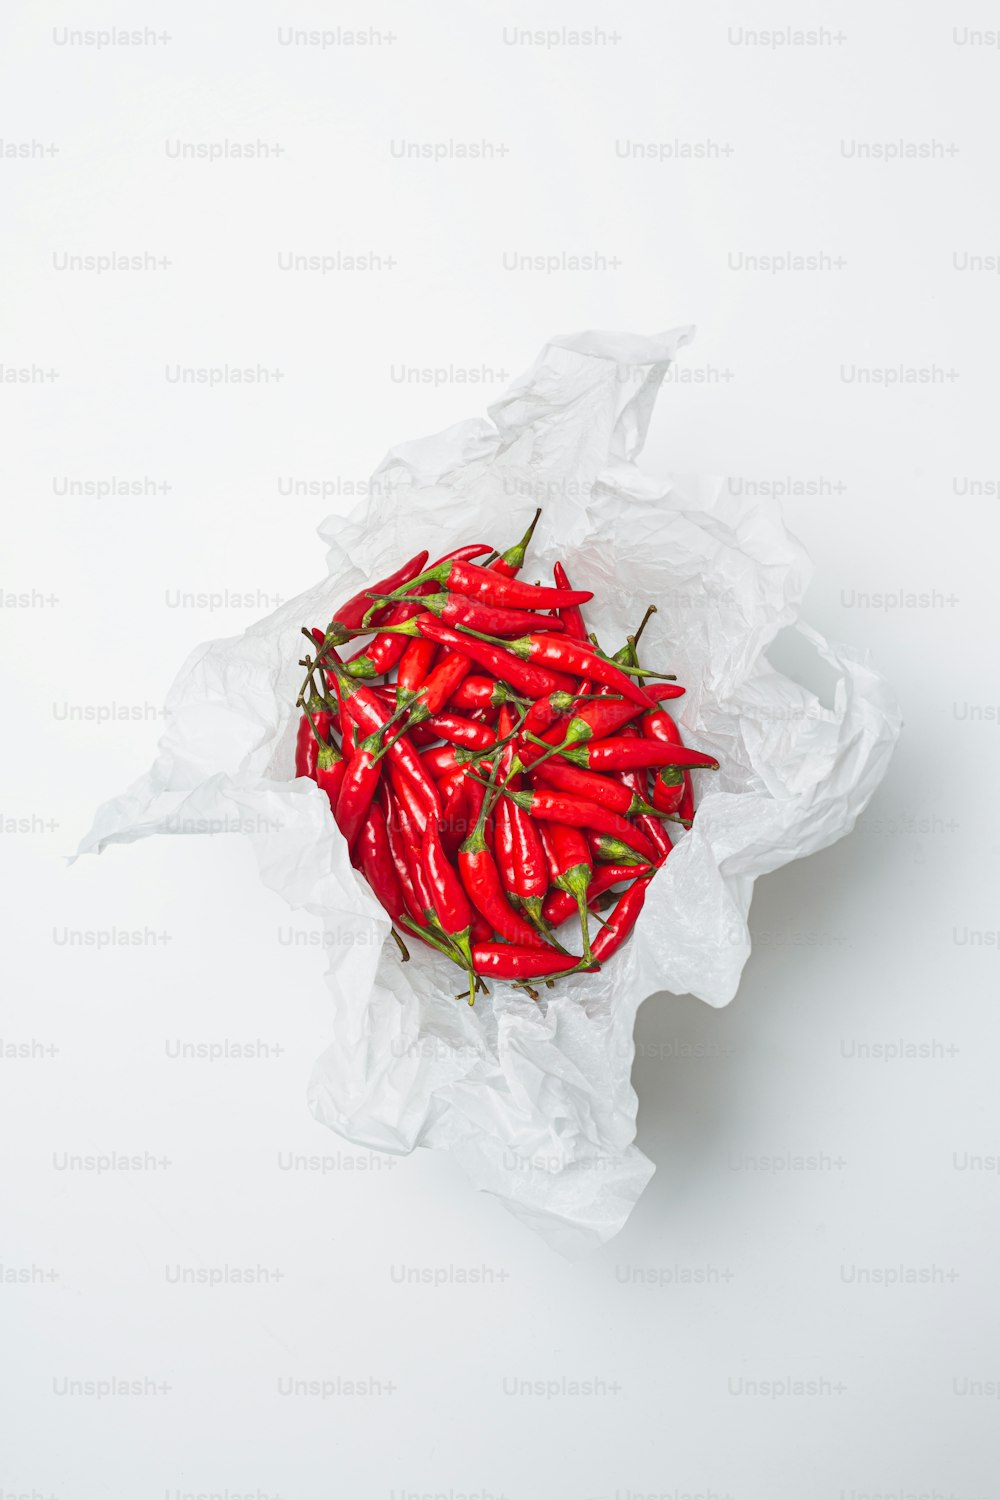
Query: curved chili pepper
{"x": 456, "y": 610}
{"x": 358, "y": 788}
{"x": 578, "y": 812}
{"x": 622, "y": 754}
{"x": 621, "y": 921}
{"x": 459, "y": 731}
{"x": 455, "y": 819}
{"x": 668, "y": 786}
{"x": 366, "y": 710}
{"x": 314, "y": 727}
{"x": 451, "y": 906}
{"x": 349, "y": 616}
{"x": 503, "y": 961}
{"x": 511, "y": 561}
{"x": 574, "y": 867}
{"x": 478, "y": 692}
{"x": 570, "y": 614}
{"x": 685, "y": 811}
{"x": 377, "y": 864}
{"x": 396, "y": 836}
{"x": 388, "y": 647}
{"x": 668, "y": 789}
{"x": 408, "y": 793}
{"x": 331, "y": 767}
{"x": 464, "y": 554}
{"x": 489, "y": 587}
{"x": 534, "y": 682}
{"x": 481, "y": 878}
{"x": 557, "y": 653}
{"x": 414, "y": 665}
{"x": 560, "y": 905}
{"x": 602, "y": 789}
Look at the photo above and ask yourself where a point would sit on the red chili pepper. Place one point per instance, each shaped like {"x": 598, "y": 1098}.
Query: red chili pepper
{"x": 602, "y": 789}
{"x": 534, "y": 682}
{"x": 441, "y": 760}
{"x": 464, "y": 554}
{"x": 578, "y": 812}
{"x": 330, "y": 770}
{"x": 613, "y": 851}
{"x": 491, "y": 587}
{"x": 398, "y": 850}
{"x": 414, "y": 665}
{"x": 481, "y": 879}
{"x": 377, "y": 863}
{"x": 570, "y": 615}
{"x": 455, "y": 610}
{"x": 314, "y": 727}
{"x": 350, "y": 615}
{"x": 511, "y": 561}
{"x": 450, "y": 671}
{"x": 668, "y": 789}
{"x": 622, "y": 920}
{"x": 560, "y": 905}
{"x": 388, "y": 647}
{"x": 503, "y": 961}
{"x": 573, "y": 867}
{"x": 478, "y": 692}
{"x": 408, "y": 793}
{"x": 366, "y": 710}
{"x": 559, "y": 654}
{"x": 459, "y": 731}
{"x": 622, "y": 754}
{"x": 450, "y": 904}
{"x": 455, "y": 819}
{"x": 358, "y": 788}
{"x": 686, "y": 809}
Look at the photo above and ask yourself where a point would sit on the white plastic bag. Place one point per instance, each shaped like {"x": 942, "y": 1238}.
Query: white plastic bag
{"x": 535, "y": 1100}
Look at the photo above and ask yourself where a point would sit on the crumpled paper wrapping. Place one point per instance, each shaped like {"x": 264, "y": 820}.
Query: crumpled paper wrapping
{"x": 535, "y": 1100}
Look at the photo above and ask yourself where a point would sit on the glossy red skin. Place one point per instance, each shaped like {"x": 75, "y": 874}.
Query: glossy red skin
{"x": 623, "y": 753}
{"x": 621, "y": 922}
{"x": 601, "y": 789}
{"x": 450, "y": 904}
{"x": 571, "y": 615}
{"x": 481, "y": 879}
{"x": 441, "y": 760}
{"x": 366, "y": 709}
{"x": 377, "y": 864}
{"x": 464, "y": 554}
{"x": 569, "y": 849}
{"x": 415, "y": 664}
{"x": 503, "y": 961}
{"x": 386, "y": 650}
{"x": 455, "y": 821}
{"x": 685, "y": 811}
{"x": 461, "y": 731}
{"x": 351, "y": 614}
{"x": 533, "y": 682}
{"x": 357, "y": 792}
{"x": 667, "y": 794}
{"x": 492, "y": 586}
{"x": 306, "y": 743}
{"x": 456, "y": 610}
{"x": 558, "y": 654}
{"x": 396, "y": 838}
{"x": 329, "y": 779}
{"x": 560, "y": 905}
{"x": 476, "y": 692}
{"x": 450, "y": 671}
{"x": 407, "y": 793}
{"x": 578, "y": 812}
{"x": 531, "y": 877}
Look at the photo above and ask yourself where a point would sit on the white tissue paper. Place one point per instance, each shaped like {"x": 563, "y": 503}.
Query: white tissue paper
{"x": 535, "y": 1099}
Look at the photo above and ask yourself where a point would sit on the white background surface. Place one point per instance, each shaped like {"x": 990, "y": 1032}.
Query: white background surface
{"x": 730, "y": 1271}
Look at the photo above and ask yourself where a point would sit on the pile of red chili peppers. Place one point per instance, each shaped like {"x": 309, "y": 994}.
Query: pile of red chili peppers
{"x": 496, "y": 773}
